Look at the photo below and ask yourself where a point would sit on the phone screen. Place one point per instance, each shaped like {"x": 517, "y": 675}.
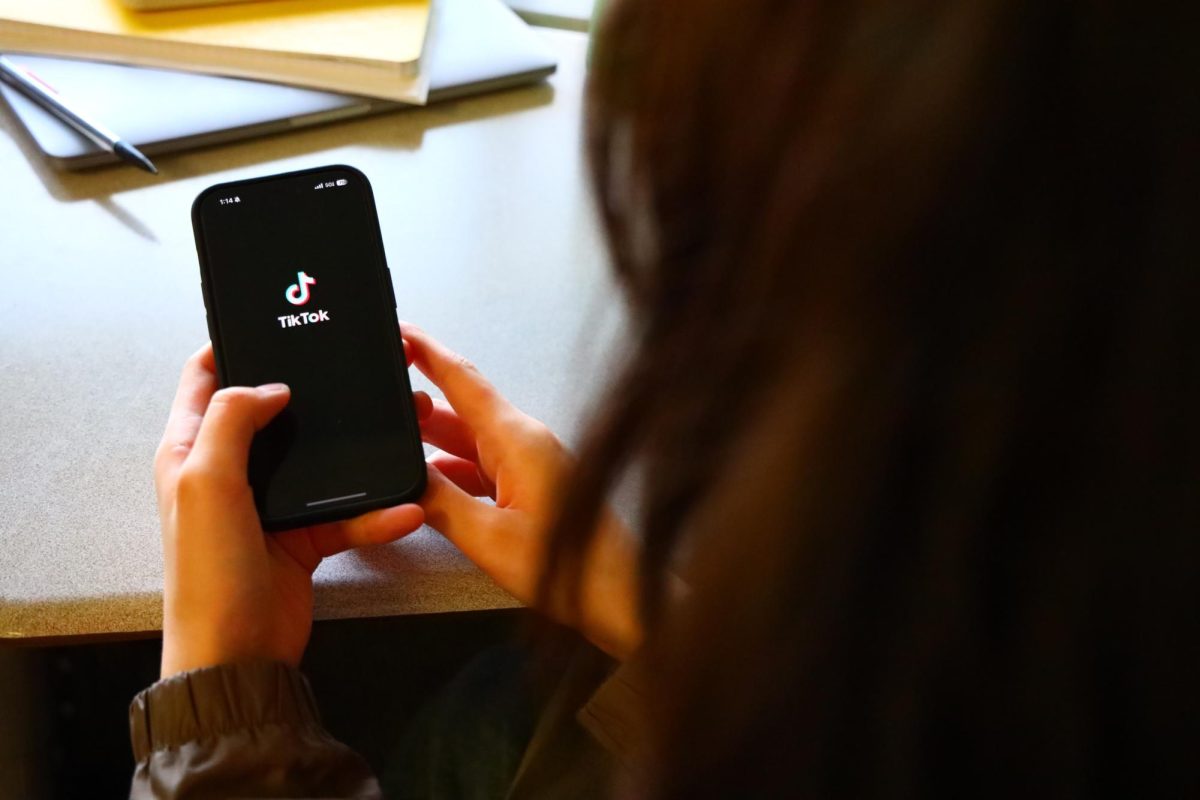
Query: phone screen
{"x": 298, "y": 292}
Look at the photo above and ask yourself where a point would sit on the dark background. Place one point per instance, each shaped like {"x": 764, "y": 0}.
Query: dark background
{"x": 370, "y": 677}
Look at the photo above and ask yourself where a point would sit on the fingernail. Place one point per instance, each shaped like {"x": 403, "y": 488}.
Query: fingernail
{"x": 273, "y": 388}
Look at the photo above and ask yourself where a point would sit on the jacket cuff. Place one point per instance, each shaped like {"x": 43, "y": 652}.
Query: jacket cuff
{"x": 615, "y": 714}
{"x": 207, "y": 703}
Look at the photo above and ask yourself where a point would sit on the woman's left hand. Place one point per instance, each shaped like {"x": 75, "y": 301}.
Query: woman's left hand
{"x": 233, "y": 593}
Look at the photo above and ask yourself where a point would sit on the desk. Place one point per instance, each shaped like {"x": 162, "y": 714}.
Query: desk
{"x": 493, "y": 247}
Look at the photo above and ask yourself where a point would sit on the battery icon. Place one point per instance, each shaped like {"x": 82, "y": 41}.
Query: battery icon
{"x": 342, "y": 181}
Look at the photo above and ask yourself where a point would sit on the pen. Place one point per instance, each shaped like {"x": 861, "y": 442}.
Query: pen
{"x": 45, "y": 95}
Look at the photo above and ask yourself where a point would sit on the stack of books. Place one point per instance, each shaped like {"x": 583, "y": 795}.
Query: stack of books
{"x": 174, "y": 79}
{"x": 372, "y": 48}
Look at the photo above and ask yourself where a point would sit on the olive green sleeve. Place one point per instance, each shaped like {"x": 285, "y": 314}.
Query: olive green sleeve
{"x": 614, "y": 716}
{"x": 242, "y": 730}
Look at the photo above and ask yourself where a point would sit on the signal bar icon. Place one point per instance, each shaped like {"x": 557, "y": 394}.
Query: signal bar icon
{"x": 320, "y": 185}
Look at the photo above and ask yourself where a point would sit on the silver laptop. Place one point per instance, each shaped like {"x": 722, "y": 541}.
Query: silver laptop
{"x": 474, "y": 46}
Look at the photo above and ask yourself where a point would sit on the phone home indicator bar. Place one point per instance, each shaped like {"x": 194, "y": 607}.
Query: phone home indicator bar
{"x": 329, "y": 500}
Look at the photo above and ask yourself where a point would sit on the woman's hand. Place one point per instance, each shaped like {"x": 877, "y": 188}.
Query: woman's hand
{"x": 491, "y": 449}
{"x": 232, "y": 593}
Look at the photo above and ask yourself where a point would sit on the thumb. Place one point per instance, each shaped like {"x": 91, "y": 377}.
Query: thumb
{"x": 233, "y": 416}
{"x": 458, "y": 515}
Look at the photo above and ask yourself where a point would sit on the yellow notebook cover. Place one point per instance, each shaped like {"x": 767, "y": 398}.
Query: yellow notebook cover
{"x": 386, "y": 31}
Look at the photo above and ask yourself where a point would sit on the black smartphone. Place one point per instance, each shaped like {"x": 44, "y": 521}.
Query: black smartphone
{"x": 298, "y": 291}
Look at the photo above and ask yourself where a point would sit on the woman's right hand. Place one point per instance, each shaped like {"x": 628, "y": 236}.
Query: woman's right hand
{"x": 492, "y": 449}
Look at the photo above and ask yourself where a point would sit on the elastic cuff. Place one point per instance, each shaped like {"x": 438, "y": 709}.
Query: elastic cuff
{"x": 615, "y": 714}
{"x": 209, "y": 702}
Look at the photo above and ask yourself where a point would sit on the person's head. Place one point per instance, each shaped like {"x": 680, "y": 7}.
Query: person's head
{"x": 911, "y": 387}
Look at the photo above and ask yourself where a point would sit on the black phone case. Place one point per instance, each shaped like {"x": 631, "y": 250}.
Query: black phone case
{"x": 349, "y": 510}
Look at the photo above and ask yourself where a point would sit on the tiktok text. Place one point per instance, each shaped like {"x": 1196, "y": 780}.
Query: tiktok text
{"x": 306, "y": 318}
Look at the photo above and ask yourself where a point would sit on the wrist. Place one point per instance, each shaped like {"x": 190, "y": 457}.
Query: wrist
{"x": 187, "y": 649}
{"x": 610, "y": 617}
{"x": 185, "y": 653}
{"x": 618, "y": 635}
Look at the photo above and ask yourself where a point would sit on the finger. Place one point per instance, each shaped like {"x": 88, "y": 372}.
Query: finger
{"x": 374, "y": 527}
{"x": 449, "y": 509}
{"x": 408, "y": 357}
{"x": 234, "y": 415}
{"x": 444, "y": 429}
{"x": 423, "y": 403}
{"x": 477, "y": 402}
{"x": 197, "y": 384}
{"x": 463, "y": 474}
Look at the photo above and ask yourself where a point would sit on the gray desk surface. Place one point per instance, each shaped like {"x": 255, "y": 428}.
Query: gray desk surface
{"x": 493, "y": 247}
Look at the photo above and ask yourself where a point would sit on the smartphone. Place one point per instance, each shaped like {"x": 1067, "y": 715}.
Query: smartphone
{"x": 297, "y": 291}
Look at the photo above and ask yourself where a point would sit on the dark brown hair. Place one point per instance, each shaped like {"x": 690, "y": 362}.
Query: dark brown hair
{"x": 914, "y": 289}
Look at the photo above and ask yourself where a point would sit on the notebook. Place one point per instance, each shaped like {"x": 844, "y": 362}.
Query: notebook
{"x": 476, "y": 45}
{"x": 364, "y": 47}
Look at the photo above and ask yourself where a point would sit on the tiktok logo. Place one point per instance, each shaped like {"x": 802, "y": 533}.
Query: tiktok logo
{"x": 297, "y": 294}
